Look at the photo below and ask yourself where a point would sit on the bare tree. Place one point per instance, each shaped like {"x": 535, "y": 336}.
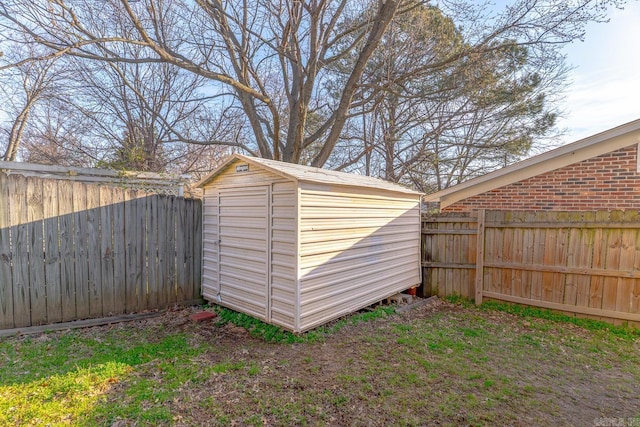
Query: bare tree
{"x": 132, "y": 115}
{"x": 23, "y": 86}
{"x": 440, "y": 103}
{"x": 275, "y": 60}
{"x": 58, "y": 134}
{"x": 144, "y": 113}
{"x": 269, "y": 55}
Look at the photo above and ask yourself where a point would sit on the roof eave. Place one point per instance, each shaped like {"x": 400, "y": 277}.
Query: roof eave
{"x": 400, "y": 190}
{"x": 211, "y": 176}
{"x": 204, "y": 181}
{"x": 595, "y": 145}
{"x": 247, "y": 159}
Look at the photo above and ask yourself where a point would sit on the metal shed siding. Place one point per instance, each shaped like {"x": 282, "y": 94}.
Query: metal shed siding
{"x": 243, "y": 248}
{"x": 258, "y": 239}
{"x": 283, "y": 254}
{"x": 210, "y": 243}
{"x": 357, "y": 246}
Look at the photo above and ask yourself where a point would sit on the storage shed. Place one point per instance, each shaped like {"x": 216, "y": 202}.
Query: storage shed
{"x": 297, "y": 246}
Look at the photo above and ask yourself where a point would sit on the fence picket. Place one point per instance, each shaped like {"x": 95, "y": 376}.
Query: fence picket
{"x": 119, "y": 252}
{"x": 181, "y": 249}
{"x": 6, "y": 280}
{"x": 152, "y": 232}
{"x": 196, "y": 267}
{"x": 165, "y": 228}
{"x": 20, "y": 244}
{"x": 507, "y": 256}
{"x": 548, "y": 258}
{"x": 627, "y": 254}
{"x": 187, "y": 232}
{"x": 80, "y": 244}
{"x": 517, "y": 251}
{"x": 612, "y": 262}
{"x": 52, "y": 251}
{"x": 94, "y": 251}
{"x": 173, "y": 205}
{"x": 634, "y": 304}
{"x": 481, "y": 244}
{"x": 140, "y": 239}
{"x": 67, "y": 258}
{"x": 131, "y": 250}
{"x": 37, "y": 289}
{"x": 572, "y": 295}
{"x": 106, "y": 254}
{"x": 561, "y": 253}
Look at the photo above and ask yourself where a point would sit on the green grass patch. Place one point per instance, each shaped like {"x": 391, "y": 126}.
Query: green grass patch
{"x": 221, "y": 368}
{"x": 624, "y": 332}
{"x": 64, "y": 378}
{"x": 59, "y": 399}
{"x": 275, "y": 334}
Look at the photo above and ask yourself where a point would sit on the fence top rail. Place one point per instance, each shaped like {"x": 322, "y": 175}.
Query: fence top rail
{"x": 595, "y": 224}
{"x": 169, "y": 184}
{"x": 448, "y": 219}
{"x": 547, "y": 219}
{"x": 38, "y": 169}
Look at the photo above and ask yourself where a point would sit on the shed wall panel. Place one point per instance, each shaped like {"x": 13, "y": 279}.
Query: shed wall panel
{"x": 317, "y": 312}
{"x": 243, "y": 249}
{"x": 283, "y": 257}
{"x": 235, "y": 234}
{"x": 210, "y": 243}
{"x": 344, "y": 268}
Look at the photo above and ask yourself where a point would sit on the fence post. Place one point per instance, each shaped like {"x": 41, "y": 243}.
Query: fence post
{"x": 480, "y": 257}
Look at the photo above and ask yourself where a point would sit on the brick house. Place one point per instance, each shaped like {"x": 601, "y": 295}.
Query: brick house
{"x": 601, "y": 172}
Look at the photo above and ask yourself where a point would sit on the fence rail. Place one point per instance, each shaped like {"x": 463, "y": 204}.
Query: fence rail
{"x": 169, "y": 184}
{"x": 586, "y": 263}
{"x": 73, "y": 250}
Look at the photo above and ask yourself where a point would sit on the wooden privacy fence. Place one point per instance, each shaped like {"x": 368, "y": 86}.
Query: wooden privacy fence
{"x": 586, "y": 263}
{"x": 73, "y": 250}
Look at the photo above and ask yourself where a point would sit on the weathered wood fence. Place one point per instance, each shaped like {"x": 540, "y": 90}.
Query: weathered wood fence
{"x": 73, "y": 250}
{"x": 586, "y": 263}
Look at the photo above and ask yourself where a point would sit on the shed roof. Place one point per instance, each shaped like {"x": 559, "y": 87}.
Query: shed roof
{"x": 310, "y": 174}
{"x": 583, "y": 149}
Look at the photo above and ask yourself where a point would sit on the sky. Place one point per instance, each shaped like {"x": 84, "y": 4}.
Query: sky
{"x": 605, "y": 83}
{"x": 604, "y": 90}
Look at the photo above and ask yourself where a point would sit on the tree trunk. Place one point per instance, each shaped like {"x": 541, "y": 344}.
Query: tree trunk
{"x": 16, "y": 135}
{"x": 386, "y": 13}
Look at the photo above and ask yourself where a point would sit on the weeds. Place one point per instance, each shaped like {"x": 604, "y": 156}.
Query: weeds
{"x": 275, "y": 334}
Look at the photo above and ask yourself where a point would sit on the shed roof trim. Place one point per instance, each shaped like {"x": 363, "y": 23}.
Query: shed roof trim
{"x": 310, "y": 174}
{"x": 583, "y": 149}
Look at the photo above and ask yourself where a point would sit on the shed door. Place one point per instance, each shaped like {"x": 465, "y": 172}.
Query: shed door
{"x": 244, "y": 256}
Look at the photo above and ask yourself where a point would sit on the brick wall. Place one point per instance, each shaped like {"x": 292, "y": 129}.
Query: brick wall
{"x": 606, "y": 182}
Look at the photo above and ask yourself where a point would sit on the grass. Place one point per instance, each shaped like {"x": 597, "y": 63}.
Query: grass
{"x": 272, "y": 333}
{"x": 621, "y": 331}
{"x": 58, "y": 398}
{"x": 59, "y": 378}
{"x": 450, "y": 365}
